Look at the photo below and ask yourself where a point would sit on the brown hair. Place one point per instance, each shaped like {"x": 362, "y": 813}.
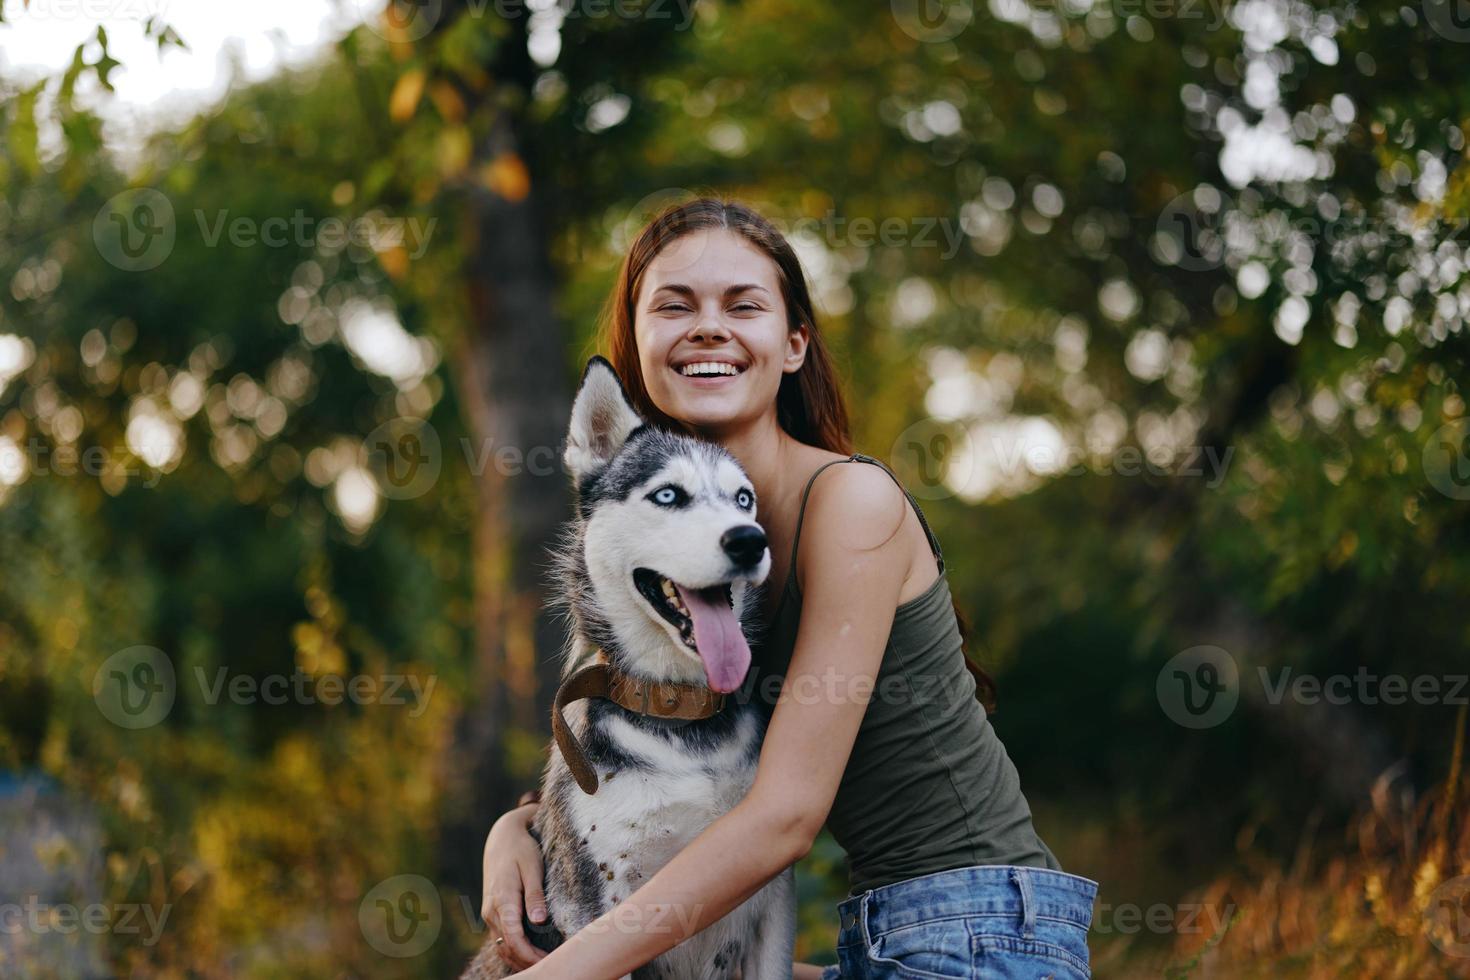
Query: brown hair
{"x": 809, "y": 402}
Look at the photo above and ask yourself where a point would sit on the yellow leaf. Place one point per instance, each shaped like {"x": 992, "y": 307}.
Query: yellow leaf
{"x": 394, "y": 262}
{"x": 507, "y": 176}
{"x": 406, "y": 94}
{"x": 447, "y": 101}
{"x": 453, "y": 151}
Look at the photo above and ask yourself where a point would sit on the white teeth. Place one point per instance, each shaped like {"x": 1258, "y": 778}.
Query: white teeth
{"x": 673, "y": 595}
{"x": 708, "y": 367}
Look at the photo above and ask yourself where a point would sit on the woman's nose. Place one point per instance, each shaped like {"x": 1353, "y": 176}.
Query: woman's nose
{"x": 707, "y": 325}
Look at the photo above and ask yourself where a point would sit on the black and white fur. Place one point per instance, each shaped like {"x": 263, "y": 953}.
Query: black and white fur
{"x": 660, "y": 782}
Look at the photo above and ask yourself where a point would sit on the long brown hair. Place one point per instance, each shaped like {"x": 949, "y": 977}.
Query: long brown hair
{"x": 809, "y": 403}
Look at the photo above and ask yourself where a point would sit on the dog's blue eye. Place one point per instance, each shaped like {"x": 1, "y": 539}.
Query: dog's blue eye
{"x": 744, "y": 499}
{"x": 667, "y": 495}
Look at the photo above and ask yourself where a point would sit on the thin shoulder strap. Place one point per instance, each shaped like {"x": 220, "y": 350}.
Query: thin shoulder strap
{"x": 801, "y": 513}
{"x": 859, "y": 457}
{"x": 928, "y": 533}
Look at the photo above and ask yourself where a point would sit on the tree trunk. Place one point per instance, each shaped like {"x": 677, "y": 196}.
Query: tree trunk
{"x": 514, "y": 388}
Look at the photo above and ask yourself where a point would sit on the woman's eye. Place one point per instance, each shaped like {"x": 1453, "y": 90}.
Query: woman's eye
{"x": 746, "y": 308}
{"x": 680, "y": 307}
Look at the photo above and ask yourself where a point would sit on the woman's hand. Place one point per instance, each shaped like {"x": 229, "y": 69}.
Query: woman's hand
{"x": 513, "y": 869}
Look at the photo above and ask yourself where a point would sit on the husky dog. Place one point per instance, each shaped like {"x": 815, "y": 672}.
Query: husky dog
{"x": 660, "y": 563}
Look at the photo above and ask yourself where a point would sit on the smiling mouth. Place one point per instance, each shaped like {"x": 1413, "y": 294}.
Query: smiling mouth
{"x": 709, "y": 369}
{"x": 662, "y": 594}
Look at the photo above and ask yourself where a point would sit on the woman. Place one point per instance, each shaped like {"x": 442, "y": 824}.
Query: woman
{"x": 876, "y": 733}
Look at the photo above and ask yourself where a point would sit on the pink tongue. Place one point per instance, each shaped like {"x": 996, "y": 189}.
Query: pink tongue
{"x": 718, "y": 636}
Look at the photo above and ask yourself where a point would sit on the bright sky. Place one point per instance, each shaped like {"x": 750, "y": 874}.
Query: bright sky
{"x": 261, "y": 34}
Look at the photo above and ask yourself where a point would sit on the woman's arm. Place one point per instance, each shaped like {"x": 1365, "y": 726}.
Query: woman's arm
{"x": 513, "y": 873}
{"x": 852, "y": 580}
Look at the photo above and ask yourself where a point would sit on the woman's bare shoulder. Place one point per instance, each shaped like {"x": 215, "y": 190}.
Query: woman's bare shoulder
{"x": 857, "y": 506}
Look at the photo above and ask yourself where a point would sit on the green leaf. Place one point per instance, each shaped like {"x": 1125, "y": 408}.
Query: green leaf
{"x": 22, "y": 134}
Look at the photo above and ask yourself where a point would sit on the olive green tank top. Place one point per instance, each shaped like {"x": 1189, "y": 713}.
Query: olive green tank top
{"x": 928, "y": 786}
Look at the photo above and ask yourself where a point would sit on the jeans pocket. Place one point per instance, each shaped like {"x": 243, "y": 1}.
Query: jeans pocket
{"x": 1011, "y": 956}
{"x": 934, "y": 950}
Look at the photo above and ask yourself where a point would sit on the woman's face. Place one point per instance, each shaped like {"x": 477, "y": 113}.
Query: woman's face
{"x": 708, "y": 296}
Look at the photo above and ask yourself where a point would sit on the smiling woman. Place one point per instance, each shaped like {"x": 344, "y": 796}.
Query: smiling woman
{"x": 679, "y": 277}
{"x": 874, "y": 727}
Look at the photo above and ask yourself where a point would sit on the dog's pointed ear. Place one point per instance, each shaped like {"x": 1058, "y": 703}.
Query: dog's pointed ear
{"x": 602, "y": 419}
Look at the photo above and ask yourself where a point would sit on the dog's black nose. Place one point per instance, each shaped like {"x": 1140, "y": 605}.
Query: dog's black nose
{"x": 744, "y": 544}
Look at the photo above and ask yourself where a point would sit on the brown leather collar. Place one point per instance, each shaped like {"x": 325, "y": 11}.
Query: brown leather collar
{"x": 601, "y": 679}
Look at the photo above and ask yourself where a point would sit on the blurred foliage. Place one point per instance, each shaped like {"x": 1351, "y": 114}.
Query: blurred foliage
{"x": 1201, "y": 234}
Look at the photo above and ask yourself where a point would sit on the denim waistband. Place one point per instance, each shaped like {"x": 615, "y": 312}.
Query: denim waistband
{"x": 983, "y": 889}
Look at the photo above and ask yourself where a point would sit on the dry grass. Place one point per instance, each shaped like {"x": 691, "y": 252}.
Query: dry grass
{"x": 1393, "y": 901}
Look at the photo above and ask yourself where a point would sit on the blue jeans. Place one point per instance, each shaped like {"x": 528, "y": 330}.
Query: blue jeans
{"x": 997, "y": 921}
